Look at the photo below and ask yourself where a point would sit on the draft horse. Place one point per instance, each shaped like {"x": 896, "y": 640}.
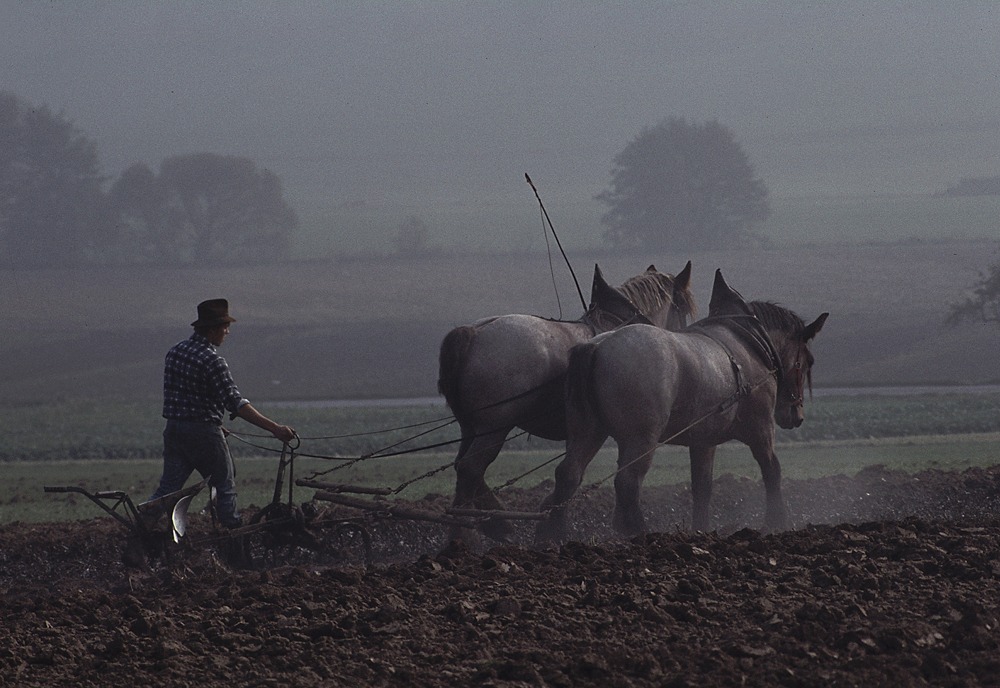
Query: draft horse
{"x": 730, "y": 376}
{"x": 508, "y": 371}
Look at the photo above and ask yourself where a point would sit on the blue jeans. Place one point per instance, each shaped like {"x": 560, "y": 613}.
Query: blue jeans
{"x": 189, "y": 447}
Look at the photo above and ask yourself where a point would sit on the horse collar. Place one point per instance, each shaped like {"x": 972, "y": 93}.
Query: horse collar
{"x": 761, "y": 341}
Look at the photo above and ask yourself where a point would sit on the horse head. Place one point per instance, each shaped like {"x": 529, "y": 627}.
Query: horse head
{"x": 799, "y": 375}
{"x": 682, "y": 300}
{"x": 790, "y": 337}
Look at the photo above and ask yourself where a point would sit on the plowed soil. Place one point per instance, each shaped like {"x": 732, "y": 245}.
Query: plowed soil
{"x": 887, "y": 579}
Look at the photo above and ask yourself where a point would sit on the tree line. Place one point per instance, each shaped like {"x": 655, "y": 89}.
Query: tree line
{"x": 197, "y": 209}
{"x": 677, "y": 186}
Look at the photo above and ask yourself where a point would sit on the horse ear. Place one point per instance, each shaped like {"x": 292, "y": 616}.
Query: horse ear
{"x": 812, "y": 329}
{"x": 598, "y": 285}
{"x": 651, "y": 268}
{"x": 726, "y": 300}
{"x": 682, "y": 280}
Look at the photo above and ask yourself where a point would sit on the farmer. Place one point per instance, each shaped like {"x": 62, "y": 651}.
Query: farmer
{"x": 197, "y": 391}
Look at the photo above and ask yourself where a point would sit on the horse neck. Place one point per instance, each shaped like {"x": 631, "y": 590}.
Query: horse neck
{"x": 602, "y": 321}
{"x": 666, "y": 317}
{"x": 767, "y": 343}
{"x": 669, "y": 317}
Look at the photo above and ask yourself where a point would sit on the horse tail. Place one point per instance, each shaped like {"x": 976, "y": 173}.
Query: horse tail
{"x": 579, "y": 381}
{"x": 451, "y": 362}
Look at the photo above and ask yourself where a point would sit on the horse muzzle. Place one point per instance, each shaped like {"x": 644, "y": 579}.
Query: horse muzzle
{"x": 789, "y": 417}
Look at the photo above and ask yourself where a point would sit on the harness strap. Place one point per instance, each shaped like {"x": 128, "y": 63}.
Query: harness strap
{"x": 742, "y": 388}
{"x": 754, "y": 333}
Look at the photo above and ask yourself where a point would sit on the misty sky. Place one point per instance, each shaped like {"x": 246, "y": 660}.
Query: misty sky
{"x": 454, "y": 101}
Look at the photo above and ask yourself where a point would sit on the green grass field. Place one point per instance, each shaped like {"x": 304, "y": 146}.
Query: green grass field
{"x": 842, "y": 435}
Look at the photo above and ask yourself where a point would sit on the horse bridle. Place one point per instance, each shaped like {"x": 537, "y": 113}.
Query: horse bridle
{"x": 796, "y": 397}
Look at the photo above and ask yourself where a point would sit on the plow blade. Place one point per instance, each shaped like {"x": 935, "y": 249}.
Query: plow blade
{"x": 176, "y": 504}
{"x": 179, "y": 517}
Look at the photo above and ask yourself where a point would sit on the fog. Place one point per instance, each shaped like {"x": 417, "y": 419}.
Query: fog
{"x": 441, "y": 107}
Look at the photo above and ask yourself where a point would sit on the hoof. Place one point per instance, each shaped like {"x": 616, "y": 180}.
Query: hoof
{"x": 496, "y": 529}
{"x": 465, "y": 536}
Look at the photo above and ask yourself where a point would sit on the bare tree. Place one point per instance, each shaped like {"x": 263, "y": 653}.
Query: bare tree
{"x": 411, "y": 237}
{"x": 984, "y": 303}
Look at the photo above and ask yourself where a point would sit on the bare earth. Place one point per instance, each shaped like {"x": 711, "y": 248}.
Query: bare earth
{"x": 904, "y": 591}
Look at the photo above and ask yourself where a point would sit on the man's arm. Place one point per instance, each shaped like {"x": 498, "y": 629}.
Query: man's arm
{"x": 252, "y": 415}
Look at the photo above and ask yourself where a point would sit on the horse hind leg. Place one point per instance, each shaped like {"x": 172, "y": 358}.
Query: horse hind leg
{"x": 634, "y": 460}
{"x": 475, "y": 455}
{"x": 580, "y": 450}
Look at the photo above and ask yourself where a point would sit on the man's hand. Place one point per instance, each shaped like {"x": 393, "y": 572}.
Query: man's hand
{"x": 252, "y": 415}
{"x": 284, "y": 433}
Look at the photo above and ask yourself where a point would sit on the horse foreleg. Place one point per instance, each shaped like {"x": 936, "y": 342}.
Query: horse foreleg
{"x": 776, "y": 514}
{"x": 702, "y": 467}
{"x": 634, "y": 461}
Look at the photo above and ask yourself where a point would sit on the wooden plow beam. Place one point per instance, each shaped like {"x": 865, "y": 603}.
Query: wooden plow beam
{"x": 389, "y": 509}
{"x": 499, "y": 513}
{"x": 338, "y": 487}
{"x": 463, "y": 518}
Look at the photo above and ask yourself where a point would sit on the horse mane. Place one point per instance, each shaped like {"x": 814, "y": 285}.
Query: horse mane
{"x": 775, "y": 317}
{"x": 647, "y": 291}
{"x": 651, "y": 291}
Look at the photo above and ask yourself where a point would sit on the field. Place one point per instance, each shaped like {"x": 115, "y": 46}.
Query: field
{"x": 105, "y": 446}
{"x": 888, "y": 577}
{"x": 502, "y": 223}
{"x": 83, "y": 348}
{"x": 342, "y": 326}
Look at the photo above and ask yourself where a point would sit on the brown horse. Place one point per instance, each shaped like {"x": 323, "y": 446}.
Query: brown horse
{"x": 508, "y": 371}
{"x": 728, "y": 377}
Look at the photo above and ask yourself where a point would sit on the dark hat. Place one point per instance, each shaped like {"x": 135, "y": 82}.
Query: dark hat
{"x": 213, "y": 313}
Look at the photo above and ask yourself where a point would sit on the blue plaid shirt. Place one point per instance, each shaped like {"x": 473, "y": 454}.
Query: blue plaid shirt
{"x": 197, "y": 384}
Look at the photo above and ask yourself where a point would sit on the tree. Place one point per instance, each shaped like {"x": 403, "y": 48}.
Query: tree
{"x": 203, "y": 209}
{"x": 974, "y": 186}
{"x": 984, "y": 303}
{"x": 682, "y": 186}
{"x": 137, "y": 221}
{"x": 50, "y": 187}
{"x": 411, "y": 237}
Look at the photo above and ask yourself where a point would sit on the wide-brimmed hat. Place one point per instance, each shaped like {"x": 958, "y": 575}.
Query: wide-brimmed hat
{"x": 213, "y": 313}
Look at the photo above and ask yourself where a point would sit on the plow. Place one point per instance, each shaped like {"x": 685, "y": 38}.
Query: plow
{"x": 283, "y": 532}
